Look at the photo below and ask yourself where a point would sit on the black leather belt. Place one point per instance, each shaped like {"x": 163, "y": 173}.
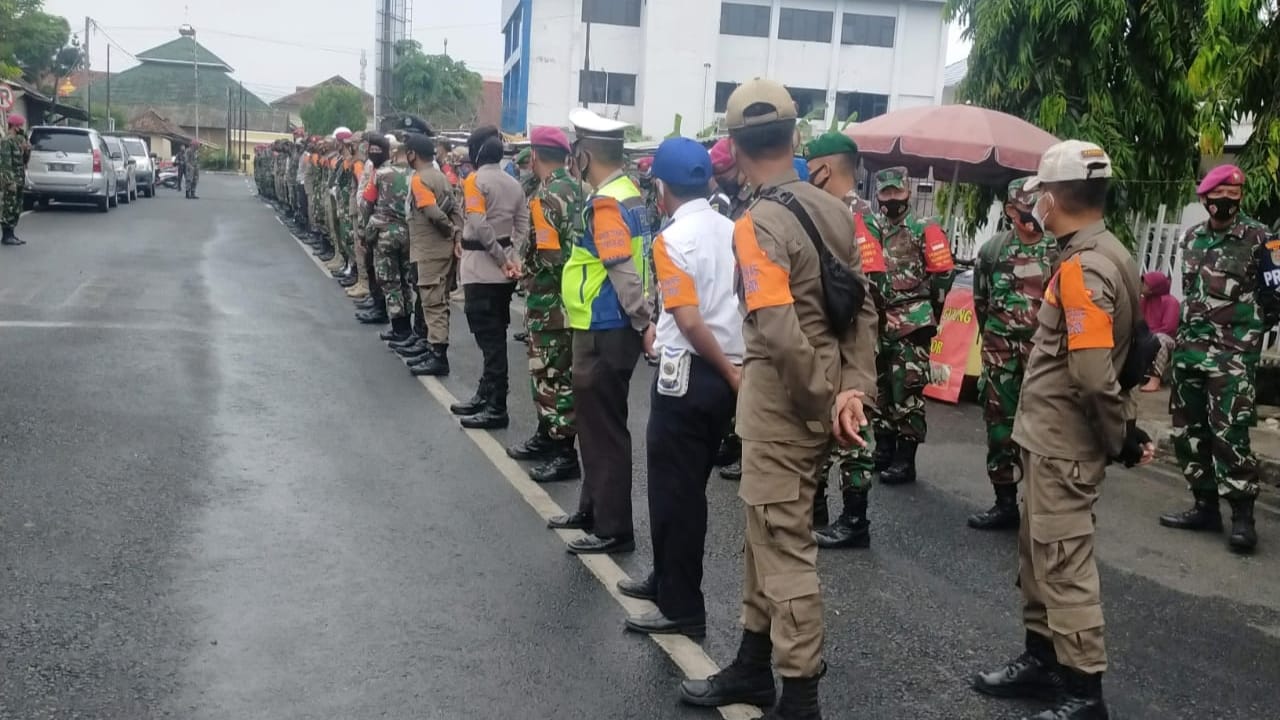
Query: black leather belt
{"x": 479, "y": 246}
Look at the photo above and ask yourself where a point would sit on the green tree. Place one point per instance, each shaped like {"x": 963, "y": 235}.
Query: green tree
{"x": 1110, "y": 71}
{"x": 334, "y": 107}
{"x": 34, "y": 43}
{"x": 1236, "y": 73}
{"x": 442, "y": 90}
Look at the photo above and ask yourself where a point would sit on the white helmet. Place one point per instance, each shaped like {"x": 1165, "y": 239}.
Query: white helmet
{"x": 342, "y": 133}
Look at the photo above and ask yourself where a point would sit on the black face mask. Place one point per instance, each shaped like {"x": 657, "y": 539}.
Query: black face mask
{"x": 893, "y": 209}
{"x": 1027, "y": 218}
{"x": 377, "y": 159}
{"x": 730, "y": 186}
{"x": 820, "y": 182}
{"x": 1223, "y": 209}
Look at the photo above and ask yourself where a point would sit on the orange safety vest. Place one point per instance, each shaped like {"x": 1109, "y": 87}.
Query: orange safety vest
{"x": 869, "y": 247}
{"x": 545, "y": 237}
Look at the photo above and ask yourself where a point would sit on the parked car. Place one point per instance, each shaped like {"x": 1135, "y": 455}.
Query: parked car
{"x": 69, "y": 165}
{"x": 126, "y": 179}
{"x": 145, "y": 170}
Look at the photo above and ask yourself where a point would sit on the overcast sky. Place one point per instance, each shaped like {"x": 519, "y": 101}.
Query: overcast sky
{"x": 277, "y": 45}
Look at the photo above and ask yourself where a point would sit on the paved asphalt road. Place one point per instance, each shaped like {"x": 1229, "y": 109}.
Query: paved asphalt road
{"x": 220, "y": 497}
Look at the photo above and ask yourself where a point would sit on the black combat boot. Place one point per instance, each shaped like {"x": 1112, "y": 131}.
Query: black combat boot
{"x": 1081, "y": 698}
{"x": 747, "y": 680}
{"x": 435, "y": 363}
{"x": 886, "y": 443}
{"x": 399, "y": 331}
{"x": 414, "y": 350}
{"x": 475, "y": 404}
{"x": 821, "y": 509}
{"x": 377, "y": 315}
{"x": 538, "y": 447}
{"x": 851, "y": 529}
{"x": 903, "y": 468}
{"x": 563, "y": 465}
{"x": 8, "y": 238}
{"x": 799, "y": 699}
{"x": 413, "y": 339}
{"x": 348, "y": 281}
{"x": 1034, "y": 674}
{"x": 326, "y": 253}
{"x": 730, "y": 451}
{"x": 1003, "y": 515}
{"x": 1204, "y": 515}
{"x": 732, "y": 472}
{"x": 493, "y": 416}
{"x": 340, "y": 272}
{"x": 1244, "y": 536}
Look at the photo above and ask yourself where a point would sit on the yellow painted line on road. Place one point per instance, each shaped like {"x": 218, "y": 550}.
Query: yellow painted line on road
{"x": 688, "y": 655}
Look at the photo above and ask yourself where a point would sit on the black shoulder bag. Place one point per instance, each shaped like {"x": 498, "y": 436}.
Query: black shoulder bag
{"x": 842, "y": 292}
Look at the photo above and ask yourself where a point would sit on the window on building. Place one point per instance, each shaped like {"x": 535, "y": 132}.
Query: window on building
{"x": 808, "y": 100}
{"x": 612, "y": 12}
{"x": 598, "y": 86}
{"x": 872, "y": 30}
{"x": 811, "y": 25}
{"x": 723, "y": 91}
{"x": 867, "y": 105}
{"x": 744, "y": 20}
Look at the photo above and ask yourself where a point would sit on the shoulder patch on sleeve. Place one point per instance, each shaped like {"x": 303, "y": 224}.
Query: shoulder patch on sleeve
{"x": 472, "y": 195}
{"x": 1088, "y": 326}
{"x": 764, "y": 283}
{"x": 937, "y": 250}
{"x": 677, "y": 286}
{"x": 610, "y": 231}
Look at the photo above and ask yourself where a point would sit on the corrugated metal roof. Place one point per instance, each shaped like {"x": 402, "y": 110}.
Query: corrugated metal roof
{"x": 955, "y": 72}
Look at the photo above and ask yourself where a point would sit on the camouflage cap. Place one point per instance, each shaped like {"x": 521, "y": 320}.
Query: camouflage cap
{"x": 894, "y": 177}
{"x": 830, "y": 143}
{"x": 1021, "y": 196}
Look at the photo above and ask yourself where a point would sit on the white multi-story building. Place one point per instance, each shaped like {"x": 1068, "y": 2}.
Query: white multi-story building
{"x": 644, "y": 61}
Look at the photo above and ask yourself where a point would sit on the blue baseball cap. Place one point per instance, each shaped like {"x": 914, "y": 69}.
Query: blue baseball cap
{"x": 682, "y": 161}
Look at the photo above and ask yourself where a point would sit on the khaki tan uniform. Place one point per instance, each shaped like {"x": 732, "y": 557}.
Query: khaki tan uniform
{"x": 1070, "y": 420}
{"x": 434, "y": 218}
{"x": 793, "y": 368}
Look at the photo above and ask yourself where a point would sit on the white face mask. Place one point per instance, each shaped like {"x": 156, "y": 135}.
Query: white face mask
{"x": 1042, "y": 209}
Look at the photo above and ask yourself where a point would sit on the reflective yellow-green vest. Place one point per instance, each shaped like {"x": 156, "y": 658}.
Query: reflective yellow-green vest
{"x": 616, "y": 231}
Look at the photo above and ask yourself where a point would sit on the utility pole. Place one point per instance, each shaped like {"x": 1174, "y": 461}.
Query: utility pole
{"x": 190, "y": 32}
{"x": 109, "y": 126}
{"x": 88, "y": 86}
{"x": 228, "y": 145}
{"x": 586, "y": 69}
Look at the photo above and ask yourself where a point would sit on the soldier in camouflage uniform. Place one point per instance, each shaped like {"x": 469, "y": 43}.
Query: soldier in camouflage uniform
{"x": 191, "y": 168}
{"x": 1227, "y": 306}
{"x": 14, "y": 152}
{"x": 1012, "y": 272}
{"x": 389, "y": 224}
{"x": 555, "y": 215}
{"x": 911, "y": 284}
{"x": 833, "y": 165}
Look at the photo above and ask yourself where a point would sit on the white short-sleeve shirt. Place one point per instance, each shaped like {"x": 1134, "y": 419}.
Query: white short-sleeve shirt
{"x": 695, "y": 265}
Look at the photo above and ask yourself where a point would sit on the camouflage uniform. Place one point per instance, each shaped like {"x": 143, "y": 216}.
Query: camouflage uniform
{"x": 13, "y": 178}
{"x": 560, "y": 203}
{"x": 1226, "y": 310}
{"x": 918, "y": 274}
{"x": 191, "y": 168}
{"x": 396, "y": 275}
{"x": 1008, "y": 286}
{"x": 345, "y": 183}
{"x": 856, "y": 464}
{"x": 530, "y": 184}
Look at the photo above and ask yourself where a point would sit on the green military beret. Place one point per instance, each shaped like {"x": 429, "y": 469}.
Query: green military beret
{"x": 831, "y": 143}
{"x": 894, "y": 177}
{"x": 1020, "y": 196}
{"x": 522, "y": 156}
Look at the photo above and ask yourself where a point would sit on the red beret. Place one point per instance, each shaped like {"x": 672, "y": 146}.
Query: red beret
{"x": 1221, "y": 175}
{"x": 722, "y": 156}
{"x": 551, "y": 137}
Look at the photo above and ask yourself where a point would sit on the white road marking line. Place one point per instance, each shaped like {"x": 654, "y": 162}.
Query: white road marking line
{"x": 688, "y": 655}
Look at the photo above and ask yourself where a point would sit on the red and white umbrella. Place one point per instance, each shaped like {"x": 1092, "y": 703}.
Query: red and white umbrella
{"x": 961, "y": 142}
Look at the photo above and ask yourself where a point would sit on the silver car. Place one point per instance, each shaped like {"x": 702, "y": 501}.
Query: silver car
{"x": 126, "y": 180}
{"x": 72, "y": 165}
{"x": 144, "y": 170}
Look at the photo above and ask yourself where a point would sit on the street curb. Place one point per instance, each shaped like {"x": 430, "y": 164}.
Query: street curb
{"x": 1162, "y": 432}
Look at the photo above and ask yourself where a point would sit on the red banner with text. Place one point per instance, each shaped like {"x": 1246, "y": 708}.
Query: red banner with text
{"x": 950, "y": 349}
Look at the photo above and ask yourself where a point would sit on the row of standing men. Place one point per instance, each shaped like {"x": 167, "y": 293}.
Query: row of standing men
{"x": 582, "y": 354}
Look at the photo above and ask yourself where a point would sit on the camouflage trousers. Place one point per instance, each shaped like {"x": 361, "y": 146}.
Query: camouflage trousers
{"x": 856, "y": 465}
{"x": 551, "y": 379}
{"x": 11, "y": 206}
{"x": 396, "y": 275}
{"x": 902, "y": 369}
{"x": 1212, "y": 413}
{"x": 999, "y": 386}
